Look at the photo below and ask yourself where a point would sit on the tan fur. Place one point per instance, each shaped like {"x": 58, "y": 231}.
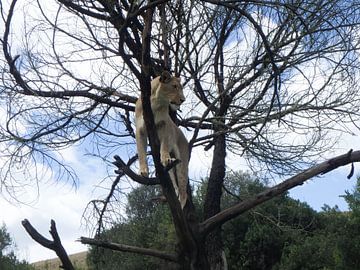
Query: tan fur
{"x": 166, "y": 91}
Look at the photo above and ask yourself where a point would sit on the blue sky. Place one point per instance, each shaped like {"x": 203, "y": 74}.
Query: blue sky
{"x": 326, "y": 189}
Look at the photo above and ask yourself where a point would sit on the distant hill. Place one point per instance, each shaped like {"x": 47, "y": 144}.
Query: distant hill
{"x": 78, "y": 260}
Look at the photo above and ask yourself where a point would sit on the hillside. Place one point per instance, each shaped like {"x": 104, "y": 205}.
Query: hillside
{"x": 78, "y": 260}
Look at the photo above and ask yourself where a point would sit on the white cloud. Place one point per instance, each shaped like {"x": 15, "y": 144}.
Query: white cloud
{"x": 59, "y": 202}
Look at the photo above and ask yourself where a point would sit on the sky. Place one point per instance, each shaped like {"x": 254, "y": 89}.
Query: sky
{"x": 328, "y": 188}
{"x": 65, "y": 204}
{"x": 60, "y": 201}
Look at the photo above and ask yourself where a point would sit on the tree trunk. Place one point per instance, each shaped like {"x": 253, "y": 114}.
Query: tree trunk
{"x": 192, "y": 256}
{"x": 213, "y": 242}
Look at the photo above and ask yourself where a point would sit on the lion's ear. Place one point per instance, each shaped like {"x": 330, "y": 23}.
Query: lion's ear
{"x": 165, "y": 77}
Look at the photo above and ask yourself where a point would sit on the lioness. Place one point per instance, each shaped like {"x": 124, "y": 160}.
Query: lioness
{"x": 166, "y": 91}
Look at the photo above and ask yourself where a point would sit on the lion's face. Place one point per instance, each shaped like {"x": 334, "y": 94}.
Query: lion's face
{"x": 170, "y": 87}
{"x": 174, "y": 92}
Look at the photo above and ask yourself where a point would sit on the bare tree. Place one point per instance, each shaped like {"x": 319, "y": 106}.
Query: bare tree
{"x": 268, "y": 81}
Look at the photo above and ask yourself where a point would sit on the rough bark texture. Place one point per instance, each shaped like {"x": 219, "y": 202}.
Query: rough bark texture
{"x": 213, "y": 243}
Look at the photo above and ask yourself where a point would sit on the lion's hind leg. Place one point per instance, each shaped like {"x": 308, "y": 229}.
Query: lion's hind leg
{"x": 178, "y": 184}
{"x": 182, "y": 180}
{"x": 141, "y": 144}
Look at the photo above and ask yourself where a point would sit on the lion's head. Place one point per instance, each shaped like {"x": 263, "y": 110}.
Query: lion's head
{"x": 169, "y": 87}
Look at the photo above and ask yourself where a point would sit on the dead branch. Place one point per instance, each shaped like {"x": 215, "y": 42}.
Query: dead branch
{"x": 132, "y": 249}
{"x": 123, "y": 168}
{"x": 217, "y": 220}
{"x": 54, "y": 245}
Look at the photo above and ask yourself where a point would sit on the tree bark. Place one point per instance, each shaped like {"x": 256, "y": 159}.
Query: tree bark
{"x": 213, "y": 242}
{"x": 54, "y": 245}
{"x": 131, "y": 249}
{"x": 212, "y": 204}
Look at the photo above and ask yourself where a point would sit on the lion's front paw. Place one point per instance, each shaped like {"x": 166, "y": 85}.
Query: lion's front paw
{"x": 144, "y": 172}
{"x": 166, "y": 159}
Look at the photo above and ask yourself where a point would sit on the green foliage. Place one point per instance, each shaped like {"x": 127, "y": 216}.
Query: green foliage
{"x": 8, "y": 260}
{"x": 282, "y": 234}
{"x": 335, "y": 244}
{"x": 255, "y": 240}
{"x": 148, "y": 225}
{"x": 5, "y": 240}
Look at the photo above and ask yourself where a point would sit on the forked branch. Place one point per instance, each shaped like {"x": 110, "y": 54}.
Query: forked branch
{"x": 54, "y": 245}
{"x": 124, "y": 168}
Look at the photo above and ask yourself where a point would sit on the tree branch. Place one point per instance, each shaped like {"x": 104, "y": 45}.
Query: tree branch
{"x": 27, "y": 90}
{"x": 213, "y": 222}
{"x": 75, "y": 7}
{"x": 54, "y": 245}
{"x": 131, "y": 249}
{"x": 124, "y": 169}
